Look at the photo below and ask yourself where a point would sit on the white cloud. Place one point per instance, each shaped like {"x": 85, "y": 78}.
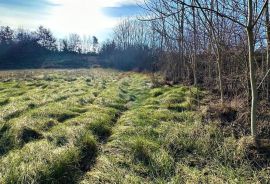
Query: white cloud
{"x": 84, "y": 17}
{"x": 116, "y": 3}
{"x": 100, "y": 3}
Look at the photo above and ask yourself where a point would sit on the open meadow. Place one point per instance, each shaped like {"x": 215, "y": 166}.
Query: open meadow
{"x": 105, "y": 126}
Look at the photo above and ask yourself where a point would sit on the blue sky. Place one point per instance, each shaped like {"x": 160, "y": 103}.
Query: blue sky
{"x": 85, "y": 17}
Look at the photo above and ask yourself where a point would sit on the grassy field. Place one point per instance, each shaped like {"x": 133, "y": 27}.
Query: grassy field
{"x": 103, "y": 126}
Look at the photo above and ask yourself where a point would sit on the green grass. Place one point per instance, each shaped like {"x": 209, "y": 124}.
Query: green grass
{"x": 155, "y": 143}
{"x": 104, "y": 126}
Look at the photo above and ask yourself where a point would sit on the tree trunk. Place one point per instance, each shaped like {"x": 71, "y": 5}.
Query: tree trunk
{"x": 253, "y": 85}
{"x": 219, "y": 61}
{"x": 182, "y": 17}
{"x": 267, "y": 23}
{"x": 195, "y": 48}
{"x": 248, "y": 81}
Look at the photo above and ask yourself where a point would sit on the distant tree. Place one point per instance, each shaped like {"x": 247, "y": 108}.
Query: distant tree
{"x": 23, "y": 35}
{"x": 45, "y": 38}
{"x": 74, "y": 43}
{"x": 63, "y": 45}
{"x": 107, "y": 48}
{"x": 6, "y": 35}
{"x": 87, "y": 44}
{"x": 95, "y": 44}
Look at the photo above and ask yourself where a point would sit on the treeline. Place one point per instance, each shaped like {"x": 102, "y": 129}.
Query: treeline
{"x": 21, "y": 48}
{"x": 219, "y": 44}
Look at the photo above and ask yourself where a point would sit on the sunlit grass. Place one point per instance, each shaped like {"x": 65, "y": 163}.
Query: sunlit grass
{"x": 103, "y": 126}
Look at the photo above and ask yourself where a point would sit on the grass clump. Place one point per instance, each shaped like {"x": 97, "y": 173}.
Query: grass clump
{"x": 101, "y": 129}
{"x": 27, "y": 134}
{"x": 46, "y": 162}
{"x": 6, "y": 139}
{"x": 63, "y": 135}
{"x": 13, "y": 115}
{"x": 32, "y": 105}
{"x": 64, "y": 116}
{"x": 57, "y": 112}
{"x": 4, "y": 101}
{"x": 142, "y": 149}
{"x": 49, "y": 124}
{"x": 157, "y": 161}
{"x": 89, "y": 149}
{"x": 39, "y": 162}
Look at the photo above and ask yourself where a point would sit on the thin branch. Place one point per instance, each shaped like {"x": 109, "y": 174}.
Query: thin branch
{"x": 263, "y": 79}
{"x": 260, "y": 14}
{"x": 197, "y": 7}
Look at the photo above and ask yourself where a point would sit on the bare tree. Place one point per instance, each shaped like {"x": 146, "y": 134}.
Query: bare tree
{"x": 219, "y": 18}
{"x": 74, "y": 43}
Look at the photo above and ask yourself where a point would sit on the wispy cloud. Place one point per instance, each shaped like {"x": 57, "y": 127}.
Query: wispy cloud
{"x": 26, "y": 4}
{"x": 121, "y": 11}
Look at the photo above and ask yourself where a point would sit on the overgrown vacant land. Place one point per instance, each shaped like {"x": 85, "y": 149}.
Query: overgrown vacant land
{"x": 103, "y": 126}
